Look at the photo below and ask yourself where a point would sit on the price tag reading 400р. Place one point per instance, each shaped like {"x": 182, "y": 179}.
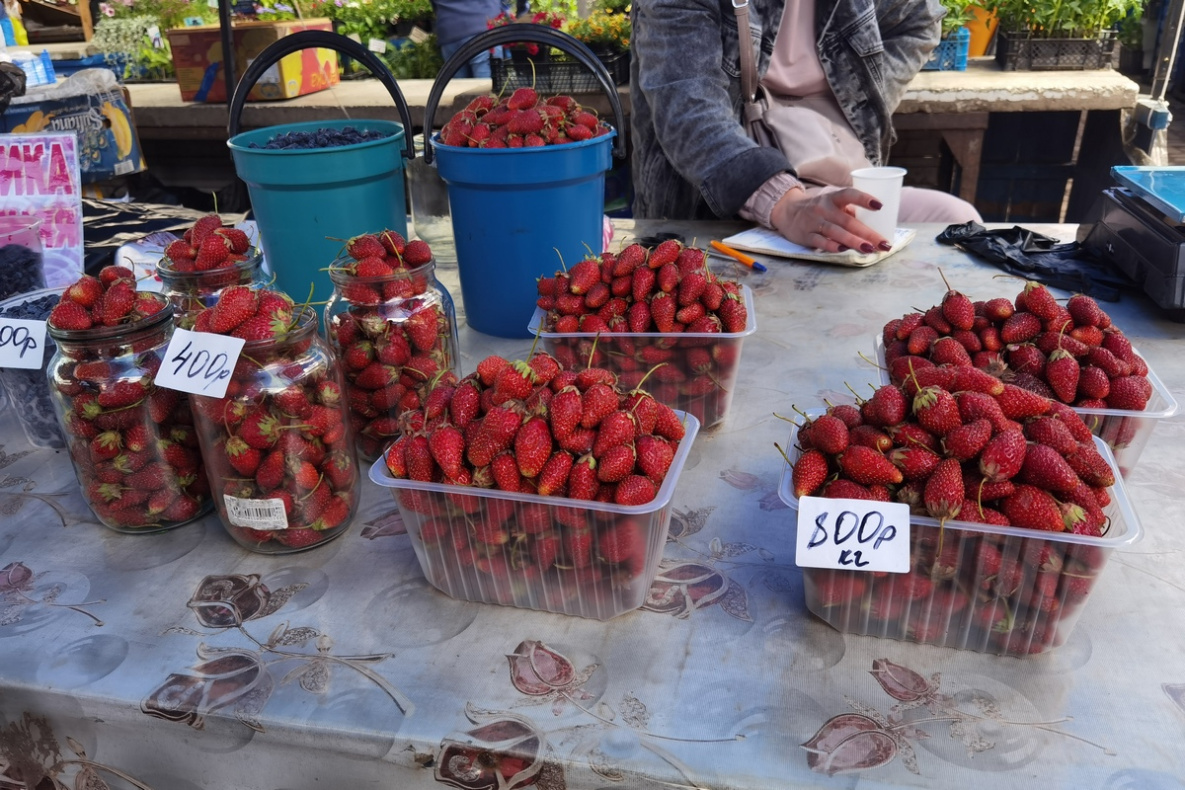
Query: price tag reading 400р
{"x": 199, "y": 363}
{"x": 853, "y": 534}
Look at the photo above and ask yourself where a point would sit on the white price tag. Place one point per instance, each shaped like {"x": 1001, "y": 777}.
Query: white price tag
{"x": 199, "y": 363}
{"x": 22, "y": 343}
{"x": 853, "y": 535}
{"x": 255, "y": 513}
{"x": 212, "y": 3}
{"x": 378, "y": 45}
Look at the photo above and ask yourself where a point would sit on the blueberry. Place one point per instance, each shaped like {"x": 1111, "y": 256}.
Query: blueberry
{"x": 321, "y": 138}
{"x": 30, "y": 388}
{"x": 20, "y": 270}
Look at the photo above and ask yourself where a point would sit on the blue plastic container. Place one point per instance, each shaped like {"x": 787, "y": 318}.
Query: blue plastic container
{"x": 307, "y": 202}
{"x": 951, "y": 52}
{"x": 517, "y": 211}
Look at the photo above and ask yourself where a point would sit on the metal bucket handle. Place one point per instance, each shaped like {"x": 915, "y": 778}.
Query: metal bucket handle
{"x": 513, "y": 34}
{"x": 327, "y": 40}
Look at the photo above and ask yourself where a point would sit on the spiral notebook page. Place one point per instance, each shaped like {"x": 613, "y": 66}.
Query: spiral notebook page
{"x": 767, "y": 242}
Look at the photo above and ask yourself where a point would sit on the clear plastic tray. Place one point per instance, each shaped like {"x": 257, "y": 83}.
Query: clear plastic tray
{"x": 1126, "y": 432}
{"x": 966, "y": 605}
{"x": 459, "y": 565}
{"x": 706, "y": 393}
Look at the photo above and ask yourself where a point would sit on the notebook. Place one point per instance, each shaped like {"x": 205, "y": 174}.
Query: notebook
{"x": 768, "y": 242}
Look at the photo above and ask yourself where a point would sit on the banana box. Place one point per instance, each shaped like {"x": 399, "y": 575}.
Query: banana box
{"x": 91, "y": 104}
{"x": 198, "y": 59}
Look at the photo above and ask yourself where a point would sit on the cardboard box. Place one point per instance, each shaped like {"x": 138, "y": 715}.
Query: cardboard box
{"x": 197, "y": 58}
{"x": 93, "y": 106}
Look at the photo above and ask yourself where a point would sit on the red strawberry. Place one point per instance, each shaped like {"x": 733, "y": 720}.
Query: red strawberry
{"x": 622, "y": 541}
{"x": 598, "y": 401}
{"x": 654, "y": 457}
{"x": 1003, "y": 456}
{"x": 554, "y": 474}
{"x": 1129, "y": 393}
{"x": 116, "y": 303}
{"x": 242, "y": 457}
{"x": 1045, "y": 468}
{"x": 966, "y": 441}
{"x": 270, "y": 472}
{"x": 122, "y": 394}
{"x": 1093, "y": 383}
{"x": 299, "y": 538}
{"x": 1039, "y": 301}
{"x": 635, "y": 490}
{"x": 868, "y": 467}
{"x": 532, "y": 446}
{"x": 447, "y": 445}
{"x": 616, "y": 463}
{"x": 936, "y": 410}
{"x": 958, "y": 310}
{"x": 1090, "y": 466}
{"x": 1061, "y": 373}
{"x": 1020, "y": 327}
{"x": 667, "y": 423}
{"x": 70, "y": 315}
{"x": 829, "y": 588}
{"x": 234, "y": 306}
{"x": 1031, "y": 507}
{"x": 943, "y": 495}
{"x": 582, "y": 479}
{"x": 886, "y": 407}
{"x": 915, "y": 463}
{"x": 212, "y": 253}
{"x": 495, "y": 433}
{"x": 1017, "y": 403}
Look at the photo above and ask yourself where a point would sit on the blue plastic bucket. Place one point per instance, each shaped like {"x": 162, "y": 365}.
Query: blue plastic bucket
{"x": 517, "y": 211}
{"x": 307, "y": 202}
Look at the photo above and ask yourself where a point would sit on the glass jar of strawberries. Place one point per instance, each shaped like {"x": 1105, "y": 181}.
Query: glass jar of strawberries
{"x": 278, "y": 447}
{"x": 394, "y": 328}
{"x": 208, "y": 258}
{"x": 132, "y": 443}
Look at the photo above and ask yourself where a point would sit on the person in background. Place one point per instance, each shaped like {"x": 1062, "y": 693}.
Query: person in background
{"x": 457, "y": 21}
{"x": 849, "y": 60}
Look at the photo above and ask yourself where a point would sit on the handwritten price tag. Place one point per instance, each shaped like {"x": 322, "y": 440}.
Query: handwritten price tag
{"x": 378, "y": 45}
{"x": 22, "y": 343}
{"x": 199, "y": 363}
{"x": 853, "y": 534}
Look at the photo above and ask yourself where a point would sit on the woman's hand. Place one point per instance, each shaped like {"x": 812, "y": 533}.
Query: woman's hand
{"x": 825, "y": 220}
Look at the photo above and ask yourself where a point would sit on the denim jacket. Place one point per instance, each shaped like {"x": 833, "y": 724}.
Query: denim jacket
{"x": 691, "y": 157}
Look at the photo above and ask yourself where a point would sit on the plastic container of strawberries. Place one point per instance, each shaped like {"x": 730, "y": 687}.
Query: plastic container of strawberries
{"x": 1027, "y": 607}
{"x": 700, "y": 373}
{"x": 440, "y": 518}
{"x": 1125, "y": 431}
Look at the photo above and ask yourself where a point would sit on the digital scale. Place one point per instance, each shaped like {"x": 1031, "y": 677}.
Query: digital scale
{"x": 1139, "y": 227}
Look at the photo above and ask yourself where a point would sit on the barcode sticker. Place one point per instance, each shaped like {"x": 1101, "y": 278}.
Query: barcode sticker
{"x": 123, "y": 168}
{"x": 256, "y": 513}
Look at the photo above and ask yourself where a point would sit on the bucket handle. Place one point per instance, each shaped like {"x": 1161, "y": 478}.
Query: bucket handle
{"x": 327, "y": 40}
{"x": 513, "y": 34}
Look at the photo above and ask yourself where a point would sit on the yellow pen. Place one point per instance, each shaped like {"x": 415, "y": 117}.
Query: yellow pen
{"x": 738, "y": 256}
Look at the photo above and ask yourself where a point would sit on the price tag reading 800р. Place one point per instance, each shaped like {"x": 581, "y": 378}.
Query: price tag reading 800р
{"x": 199, "y": 363}
{"x": 853, "y": 534}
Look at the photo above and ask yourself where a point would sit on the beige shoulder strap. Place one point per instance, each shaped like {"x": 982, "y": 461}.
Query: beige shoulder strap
{"x": 745, "y": 40}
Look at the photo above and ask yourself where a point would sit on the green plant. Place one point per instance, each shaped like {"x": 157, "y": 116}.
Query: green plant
{"x": 126, "y": 42}
{"x": 167, "y": 14}
{"x": 603, "y": 30}
{"x": 1131, "y": 31}
{"x": 958, "y": 14}
{"x": 612, "y": 6}
{"x": 1062, "y": 18}
{"x": 414, "y": 61}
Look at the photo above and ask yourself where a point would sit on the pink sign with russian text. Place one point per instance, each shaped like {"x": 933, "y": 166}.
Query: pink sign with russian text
{"x": 40, "y": 175}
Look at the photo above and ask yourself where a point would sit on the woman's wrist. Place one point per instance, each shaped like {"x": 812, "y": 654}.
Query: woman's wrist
{"x": 761, "y": 204}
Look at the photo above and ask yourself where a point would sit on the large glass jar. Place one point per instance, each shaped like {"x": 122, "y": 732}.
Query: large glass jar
{"x": 394, "y": 334}
{"x": 133, "y": 444}
{"x": 278, "y": 447}
{"x": 190, "y": 292}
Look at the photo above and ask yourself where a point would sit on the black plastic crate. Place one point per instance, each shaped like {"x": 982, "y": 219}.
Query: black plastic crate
{"x": 556, "y": 74}
{"x": 1022, "y": 52}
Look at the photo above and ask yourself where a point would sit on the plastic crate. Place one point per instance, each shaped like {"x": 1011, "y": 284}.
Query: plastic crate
{"x": 700, "y": 370}
{"x": 1125, "y": 432}
{"x": 1028, "y": 606}
{"x": 1022, "y": 52}
{"x": 547, "y": 74}
{"x": 951, "y": 52}
{"x": 38, "y": 69}
{"x": 440, "y": 518}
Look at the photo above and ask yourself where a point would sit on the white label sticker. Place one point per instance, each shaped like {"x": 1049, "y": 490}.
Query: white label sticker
{"x": 212, "y": 3}
{"x": 22, "y": 343}
{"x": 853, "y": 535}
{"x": 377, "y": 45}
{"x": 153, "y": 33}
{"x": 199, "y": 363}
{"x": 255, "y": 513}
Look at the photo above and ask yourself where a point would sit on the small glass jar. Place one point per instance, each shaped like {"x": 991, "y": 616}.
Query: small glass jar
{"x": 278, "y": 448}
{"x": 21, "y": 263}
{"x": 191, "y": 292}
{"x": 393, "y": 334}
{"x": 430, "y": 216}
{"x": 133, "y": 444}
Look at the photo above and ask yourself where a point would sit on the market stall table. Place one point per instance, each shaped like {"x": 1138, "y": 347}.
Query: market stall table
{"x": 179, "y": 661}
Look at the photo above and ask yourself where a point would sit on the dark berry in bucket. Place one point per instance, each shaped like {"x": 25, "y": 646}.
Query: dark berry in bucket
{"x": 20, "y": 270}
{"x": 322, "y": 138}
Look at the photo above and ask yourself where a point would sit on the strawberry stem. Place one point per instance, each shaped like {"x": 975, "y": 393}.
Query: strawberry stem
{"x": 871, "y": 361}
{"x": 790, "y": 420}
{"x": 783, "y": 453}
{"x": 944, "y": 280}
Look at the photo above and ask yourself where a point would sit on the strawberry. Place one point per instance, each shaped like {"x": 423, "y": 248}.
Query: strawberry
{"x": 915, "y": 462}
{"x": 116, "y": 303}
{"x": 415, "y": 253}
{"x": 943, "y": 495}
{"x": 616, "y": 463}
{"x": 1045, "y": 468}
{"x": 243, "y": 458}
{"x": 949, "y": 351}
{"x": 617, "y": 427}
{"x": 447, "y": 445}
{"x": 1020, "y": 327}
{"x": 212, "y": 253}
{"x": 828, "y": 588}
{"x": 635, "y": 490}
{"x": 234, "y": 306}
{"x": 654, "y": 457}
{"x": 582, "y": 479}
{"x": 968, "y": 440}
{"x": 1039, "y": 301}
{"x": 298, "y": 538}
{"x": 733, "y": 314}
{"x": 934, "y": 319}
{"x": 1090, "y": 466}
{"x": 514, "y": 382}
{"x": 1017, "y": 403}
{"x": 532, "y": 446}
{"x": 68, "y": 315}
{"x": 1093, "y": 383}
{"x": 598, "y": 401}
{"x": 495, "y": 433}
{"x": 667, "y": 423}
{"x": 554, "y": 474}
{"x": 621, "y": 541}
{"x": 1061, "y": 373}
{"x": 122, "y": 394}
{"x": 1003, "y": 456}
{"x": 868, "y": 467}
{"x": 886, "y": 407}
{"x": 1031, "y": 507}
{"x": 958, "y": 310}
{"x": 1129, "y": 393}
{"x": 936, "y": 410}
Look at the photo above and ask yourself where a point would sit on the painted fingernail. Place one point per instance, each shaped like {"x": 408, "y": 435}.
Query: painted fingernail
{"x": 866, "y": 247}
{"x": 841, "y": 248}
{"x": 876, "y": 205}
{"x": 885, "y": 246}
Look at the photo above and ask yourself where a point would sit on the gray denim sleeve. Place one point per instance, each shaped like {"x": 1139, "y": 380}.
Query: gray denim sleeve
{"x": 910, "y": 30}
{"x": 695, "y": 101}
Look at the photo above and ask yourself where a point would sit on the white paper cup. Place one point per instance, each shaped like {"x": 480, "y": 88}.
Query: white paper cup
{"x": 884, "y": 184}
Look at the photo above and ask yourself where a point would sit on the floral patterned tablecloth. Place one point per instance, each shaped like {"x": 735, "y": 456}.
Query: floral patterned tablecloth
{"x": 179, "y": 661}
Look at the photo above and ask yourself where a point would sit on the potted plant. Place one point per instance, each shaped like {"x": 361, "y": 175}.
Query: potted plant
{"x": 951, "y": 52}
{"x": 1131, "y": 45}
{"x": 529, "y": 64}
{"x": 1058, "y": 34}
{"x": 606, "y": 31}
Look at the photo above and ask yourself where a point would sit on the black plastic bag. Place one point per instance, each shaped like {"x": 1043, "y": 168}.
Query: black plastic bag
{"x": 1037, "y": 257}
{"x": 12, "y": 84}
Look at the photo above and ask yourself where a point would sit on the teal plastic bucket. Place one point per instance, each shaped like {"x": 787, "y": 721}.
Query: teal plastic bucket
{"x": 308, "y": 201}
{"x": 517, "y": 211}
